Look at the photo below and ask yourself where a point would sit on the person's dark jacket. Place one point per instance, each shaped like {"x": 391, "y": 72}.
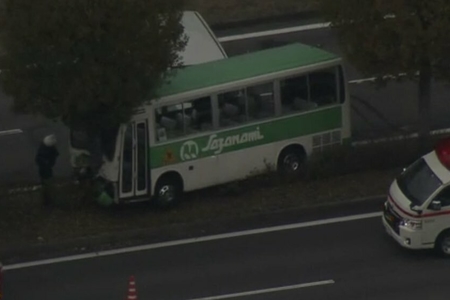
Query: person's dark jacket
{"x": 46, "y": 159}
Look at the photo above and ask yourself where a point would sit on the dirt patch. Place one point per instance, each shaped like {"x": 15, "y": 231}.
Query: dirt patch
{"x": 229, "y": 11}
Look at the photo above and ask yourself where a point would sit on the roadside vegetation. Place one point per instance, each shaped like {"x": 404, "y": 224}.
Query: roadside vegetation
{"x": 88, "y": 63}
{"x": 340, "y": 174}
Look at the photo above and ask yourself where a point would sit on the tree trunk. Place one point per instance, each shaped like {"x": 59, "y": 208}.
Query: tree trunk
{"x": 425, "y": 78}
{"x": 95, "y": 151}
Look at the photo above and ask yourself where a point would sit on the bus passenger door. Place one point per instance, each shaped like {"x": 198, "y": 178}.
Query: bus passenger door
{"x": 134, "y": 165}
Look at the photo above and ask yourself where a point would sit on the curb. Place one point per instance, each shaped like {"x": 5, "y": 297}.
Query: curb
{"x": 26, "y": 252}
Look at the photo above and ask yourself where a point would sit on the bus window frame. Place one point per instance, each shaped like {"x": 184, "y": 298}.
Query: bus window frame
{"x": 276, "y": 83}
{"x": 308, "y": 82}
{"x": 160, "y": 105}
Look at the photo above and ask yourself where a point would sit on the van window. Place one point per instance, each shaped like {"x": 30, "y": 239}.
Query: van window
{"x": 418, "y": 182}
{"x": 444, "y": 197}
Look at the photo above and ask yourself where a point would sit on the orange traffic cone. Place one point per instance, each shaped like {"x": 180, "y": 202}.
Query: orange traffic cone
{"x": 132, "y": 295}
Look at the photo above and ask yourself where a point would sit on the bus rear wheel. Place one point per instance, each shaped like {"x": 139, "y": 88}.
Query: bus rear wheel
{"x": 292, "y": 161}
{"x": 168, "y": 192}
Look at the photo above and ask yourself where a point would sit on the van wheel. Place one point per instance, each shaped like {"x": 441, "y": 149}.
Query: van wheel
{"x": 168, "y": 192}
{"x": 292, "y": 161}
{"x": 443, "y": 244}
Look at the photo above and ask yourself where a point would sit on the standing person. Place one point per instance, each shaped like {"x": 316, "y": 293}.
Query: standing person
{"x": 45, "y": 159}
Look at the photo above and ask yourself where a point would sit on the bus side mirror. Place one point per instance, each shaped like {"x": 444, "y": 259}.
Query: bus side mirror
{"x": 435, "y": 205}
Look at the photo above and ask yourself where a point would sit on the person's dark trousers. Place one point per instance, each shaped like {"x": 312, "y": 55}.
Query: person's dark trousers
{"x": 47, "y": 187}
{"x": 46, "y": 175}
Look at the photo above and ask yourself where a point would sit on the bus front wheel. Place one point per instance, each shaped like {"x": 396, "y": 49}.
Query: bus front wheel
{"x": 168, "y": 191}
{"x": 292, "y": 161}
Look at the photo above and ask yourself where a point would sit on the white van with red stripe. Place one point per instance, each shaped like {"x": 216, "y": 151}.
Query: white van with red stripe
{"x": 417, "y": 211}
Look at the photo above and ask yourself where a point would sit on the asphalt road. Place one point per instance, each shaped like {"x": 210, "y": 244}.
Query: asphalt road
{"x": 375, "y": 112}
{"x": 357, "y": 257}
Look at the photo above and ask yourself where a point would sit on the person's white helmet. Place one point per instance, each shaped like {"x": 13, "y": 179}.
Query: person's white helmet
{"x": 50, "y": 140}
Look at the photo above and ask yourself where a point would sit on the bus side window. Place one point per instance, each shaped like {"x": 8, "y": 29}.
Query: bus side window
{"x": 260, "y": 101}
{"x": 183, "y": 119}
{"x": 198, "y": 114}
{"x": 167, "y": 126}
{"x": 323, "y": 87}
{"x": 232, "y": 108}
{"x": 295, "y": 95}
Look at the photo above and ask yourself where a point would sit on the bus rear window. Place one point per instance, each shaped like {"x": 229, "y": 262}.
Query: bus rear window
{"x": 418, "y": 182}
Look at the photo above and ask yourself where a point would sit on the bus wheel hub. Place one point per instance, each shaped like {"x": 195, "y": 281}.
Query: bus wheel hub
{"x": 291, "y": 163}
{"x": 167, "y": 193}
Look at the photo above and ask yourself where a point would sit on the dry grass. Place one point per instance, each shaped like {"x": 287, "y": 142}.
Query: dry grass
{"x": 338, "y": 175}
{"x": 218, "y": 12}
{"x": 22, "y": 220}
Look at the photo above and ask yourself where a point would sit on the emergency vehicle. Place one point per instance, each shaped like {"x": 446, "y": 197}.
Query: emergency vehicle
{"x": 417, "y": 211}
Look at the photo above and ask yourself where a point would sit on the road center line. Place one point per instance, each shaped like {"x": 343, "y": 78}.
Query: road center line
{"x": 191, "y": 241}
{"x": 10, "y": 132}
{"x": 271, "y": 290}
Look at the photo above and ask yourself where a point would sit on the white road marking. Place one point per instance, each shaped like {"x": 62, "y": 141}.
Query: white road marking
{"x": 24, "y": 189}
{"x": 271, "y": 290}
{"x": 357, "y": 81}
{"x": 10, "y": 132}
{"x": 192, "y": 241}
{"x": 282, "y": 31}
{"x": 399, "y": 137}
{"x": 252, "y": 35}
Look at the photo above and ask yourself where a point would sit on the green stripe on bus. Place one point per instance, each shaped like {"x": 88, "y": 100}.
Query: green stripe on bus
{"x": 190, "y": 149}
{"x": 244, "y": 66}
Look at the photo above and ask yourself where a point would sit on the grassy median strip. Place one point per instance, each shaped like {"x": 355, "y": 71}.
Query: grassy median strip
{"x": 337, "y": 175}
{"x": 24, "y": 221}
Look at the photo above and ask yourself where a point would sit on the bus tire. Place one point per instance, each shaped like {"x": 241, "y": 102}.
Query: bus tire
{"x": 291, "y": 160}
{"x": 442, "y": 244}
{"x": 168, "y": 190}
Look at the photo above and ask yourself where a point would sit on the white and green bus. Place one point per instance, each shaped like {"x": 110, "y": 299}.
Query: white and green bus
{"x": 225, "y": 120}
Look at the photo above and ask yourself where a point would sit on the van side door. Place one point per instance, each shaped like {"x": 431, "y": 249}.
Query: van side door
{"x": 437, "y": 216}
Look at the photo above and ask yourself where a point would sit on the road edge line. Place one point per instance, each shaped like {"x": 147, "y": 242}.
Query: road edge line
{"x": 269, "y": 290}
{"x": 187, "y": 241}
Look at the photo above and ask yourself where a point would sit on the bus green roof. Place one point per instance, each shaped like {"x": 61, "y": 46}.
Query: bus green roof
{"x": 243, "y": 66}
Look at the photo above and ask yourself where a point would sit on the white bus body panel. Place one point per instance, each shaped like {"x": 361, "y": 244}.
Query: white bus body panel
{"x": 231, "y": 166}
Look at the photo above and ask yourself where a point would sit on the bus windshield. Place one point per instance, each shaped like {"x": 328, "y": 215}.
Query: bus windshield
{"x": 418, "y": 182}
{"x": 79, "y": 139}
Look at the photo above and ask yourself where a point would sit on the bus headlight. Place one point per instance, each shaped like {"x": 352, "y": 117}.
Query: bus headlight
{"x": 411, "y": 224}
